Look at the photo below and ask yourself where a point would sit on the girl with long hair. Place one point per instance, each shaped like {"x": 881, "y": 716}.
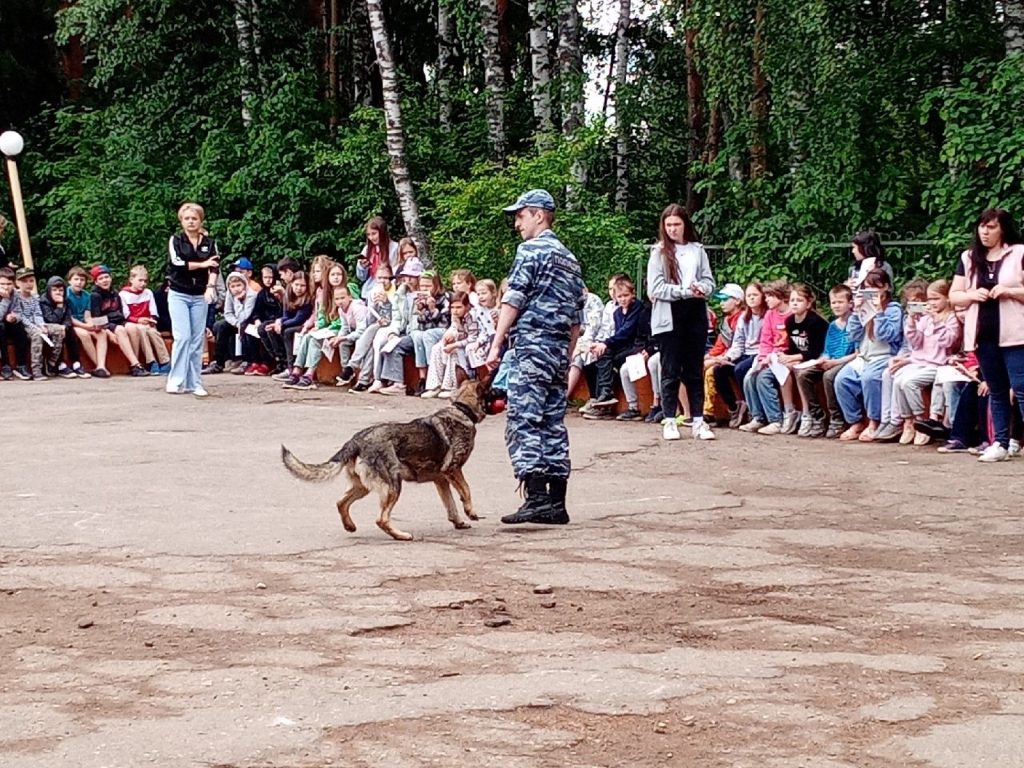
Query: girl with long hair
{"x": 679, "y": 280}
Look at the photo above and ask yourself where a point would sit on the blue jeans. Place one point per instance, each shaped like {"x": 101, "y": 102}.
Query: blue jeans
{"x": 761, "y": 391}
{"x": 860, "y": 391}
{"x": 423, "y": 341}
{"x": 1003, "y": 370}
{"x": 188, "y": 325}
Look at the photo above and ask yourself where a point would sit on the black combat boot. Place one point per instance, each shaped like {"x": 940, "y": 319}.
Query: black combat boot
{"x": 559, "y": 514}
{"x": 536, "y": 505}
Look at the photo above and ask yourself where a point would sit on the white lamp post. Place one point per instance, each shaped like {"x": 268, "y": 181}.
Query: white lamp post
{"x": 11, "y": 145}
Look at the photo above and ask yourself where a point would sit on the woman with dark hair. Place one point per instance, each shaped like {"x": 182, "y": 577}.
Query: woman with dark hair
{"x": 679, "y": 280}
{"x": 868, "y": 254}
{"x": 989, "y": 282}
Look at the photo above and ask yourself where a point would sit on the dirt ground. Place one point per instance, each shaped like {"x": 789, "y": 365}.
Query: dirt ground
{"x": 170, "y": 596}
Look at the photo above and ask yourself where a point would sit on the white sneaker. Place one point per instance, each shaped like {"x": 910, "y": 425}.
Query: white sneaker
{"x": 752, "y": 426}
{"x": 703, "y": 432}
{"x": 790, "y": 422}
{"x": 1014, "y": 447}
{"x": 669, "y": 429}
{"x": 393, "y": 389}
{"x": 446, "y": 394}
{"x": 200, "y": 392}
{"x": 377, "y": 386}
{"x": 994, "y": 453}
{"x": 774, "y": 428}
{"x": 430, "y": 393}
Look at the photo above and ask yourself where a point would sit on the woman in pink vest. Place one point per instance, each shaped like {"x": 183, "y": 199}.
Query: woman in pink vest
{"x": 989, "y": 282}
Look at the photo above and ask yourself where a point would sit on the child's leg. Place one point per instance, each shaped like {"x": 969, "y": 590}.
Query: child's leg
{"x": 788, "y": 389}
{"x": 890, "y": 408}
{"x": 74, "y": 346}
{"x": 629, "y": 389}
{"x": 35, "y": 339}
{"x": 139, "y": 346}
{"x": 435, "y": 368}
{"x": 710, "y": 392}
{"x": 654, "y": 369}
{"x": 750, "y": 393}
{"x": 807, "y": 383}
{"x": 723, "y": 377}
{"x": 871, "y": 387}
{"x": 575, "y": 372}
{"x": 289, "y": 346}
{"x": 449, "y": 378}
{"x": 847, "y": 386}
{"x": 55, "y": 353}
{"x": 743, "y": 366}
{"x": 768, "y": 393}
{"x": 157, "y": 346}
{"x": 125, "y": 343}
{"x": 828, "y": 380}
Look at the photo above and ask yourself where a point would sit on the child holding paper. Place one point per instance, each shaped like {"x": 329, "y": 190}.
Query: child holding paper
{"x": 839, "y": 350}
{"x": 450, "y": 352}
{"x": 876, "y": 326}
{"x": 933, "y": 333}
{"x": 807, "y": 331}
{"x": 631, "y": 328}
{"x": 765, "y": 411}
{"x": 235, "y": 349}
{"x": 329, "y": 324}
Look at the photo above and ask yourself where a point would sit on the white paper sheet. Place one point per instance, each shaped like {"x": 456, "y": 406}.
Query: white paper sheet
{"x": 636, "y": 367}
{"x": 946, "y": 374}
{"x": 780, "y": 371}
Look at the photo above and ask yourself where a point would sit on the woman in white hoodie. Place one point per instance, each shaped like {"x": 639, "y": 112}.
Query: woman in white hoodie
{"x": 679, "y": 280}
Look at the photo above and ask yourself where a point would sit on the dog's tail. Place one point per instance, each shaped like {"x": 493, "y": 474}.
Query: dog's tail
{"x": 318, "y": 473}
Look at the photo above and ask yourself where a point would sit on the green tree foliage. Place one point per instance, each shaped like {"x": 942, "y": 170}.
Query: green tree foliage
{"x": 899, "y": 115}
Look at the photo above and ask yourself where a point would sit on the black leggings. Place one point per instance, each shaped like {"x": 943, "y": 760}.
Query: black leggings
{"x": 682, "y": 356}
{"x": 16, "y": 334}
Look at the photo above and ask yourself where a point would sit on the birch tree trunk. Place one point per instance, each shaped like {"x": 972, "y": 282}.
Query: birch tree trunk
{"x": 621, "y": 129}
{"x": 494, "y": 80}
{"x": 395, "y": 133}
{"x": 246, "y": 57}
{"x": 331, "y": 20}
{"x": 540, "y": 58}
{"x": 570, "y": 66}
{"x": 445, "y": 55}
{"x": 1013, "y": 26}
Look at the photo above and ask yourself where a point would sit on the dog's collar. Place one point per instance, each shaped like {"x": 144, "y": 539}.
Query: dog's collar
{"x": 470, "y": 413}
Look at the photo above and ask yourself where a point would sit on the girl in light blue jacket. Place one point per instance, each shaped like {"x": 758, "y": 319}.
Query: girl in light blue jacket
{"x": 679, "y": 279}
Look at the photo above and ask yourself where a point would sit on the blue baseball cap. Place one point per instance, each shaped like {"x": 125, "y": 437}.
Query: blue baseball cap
{"x": 535, "y": 198}
{"x": 242, "y": 263}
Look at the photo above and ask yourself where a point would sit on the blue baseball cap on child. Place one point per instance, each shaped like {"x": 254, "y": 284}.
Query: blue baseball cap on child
{"x": 242, "y": 263}
{"x": 535, "y": 198}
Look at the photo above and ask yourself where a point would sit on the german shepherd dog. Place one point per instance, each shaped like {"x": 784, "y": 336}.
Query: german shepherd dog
{"x": 432, "y": 449}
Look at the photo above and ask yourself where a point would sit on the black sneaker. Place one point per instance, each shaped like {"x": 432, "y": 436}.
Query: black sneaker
{"x": 6, "y": 373}
{"x": 139, "y": 371}
{"x": 360, "y": 387}
{"x": 933, "y": 428}
{"x": 212, "y": 368}
{"x": 655, "y": 416}
{"x": 22, "y": 373}
{"x": 630, "y": 414}
{"x": 66, "y": 373}
{"x": 605, "y": 398}
{"x": 101, "y": 373}
{"x": 347, "y": 374}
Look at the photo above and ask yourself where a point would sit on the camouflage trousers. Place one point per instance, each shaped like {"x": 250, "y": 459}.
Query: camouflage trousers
{"x": 535, "y": 433}
{"x": 41, "y": 350}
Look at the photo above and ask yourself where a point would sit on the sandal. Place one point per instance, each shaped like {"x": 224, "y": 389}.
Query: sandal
{"x": 851, "y": 434}
{"x": 867, "y": 436}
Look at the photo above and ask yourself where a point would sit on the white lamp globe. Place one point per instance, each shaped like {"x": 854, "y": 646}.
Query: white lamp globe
{"x": 11, "y": 143}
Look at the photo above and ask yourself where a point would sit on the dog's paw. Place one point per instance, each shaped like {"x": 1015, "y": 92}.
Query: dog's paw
{"x": 350, "y": 527}
{"x": 472, "y": 515}
{"x": 462, "y": 524}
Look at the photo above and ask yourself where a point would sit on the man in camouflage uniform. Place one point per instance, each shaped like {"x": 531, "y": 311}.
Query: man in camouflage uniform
{"x": 541, "y": 308}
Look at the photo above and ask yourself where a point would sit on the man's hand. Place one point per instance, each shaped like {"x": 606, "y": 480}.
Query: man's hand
{"x": 493, "y": 357}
